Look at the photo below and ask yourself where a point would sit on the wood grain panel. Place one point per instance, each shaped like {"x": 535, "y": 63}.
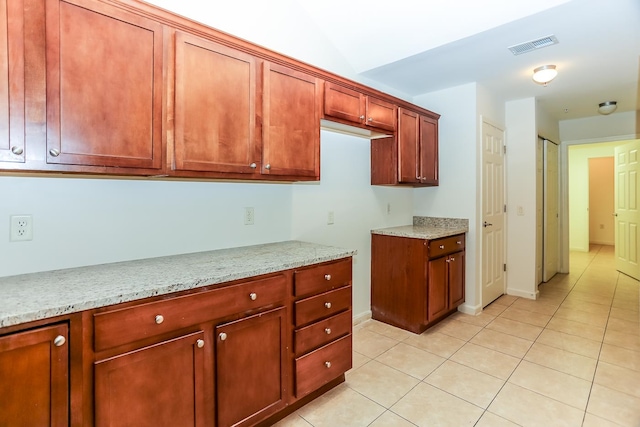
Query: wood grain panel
{"x": 322, "y": 277}
{"x": 104, "y": 86}
{"x": 215, "y": 107}
{"x": 321, "y": 366}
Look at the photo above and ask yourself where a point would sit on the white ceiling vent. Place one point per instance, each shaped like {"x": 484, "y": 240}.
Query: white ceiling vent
{"x": 521, "y": 48}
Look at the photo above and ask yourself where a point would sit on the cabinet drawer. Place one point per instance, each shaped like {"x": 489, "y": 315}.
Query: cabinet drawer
{"x": 322, "y": 277}
{"x": 320, "y": 306}
{"x": 446, "y": 245}
{"x": 126, "y": 325}
{"x": 317, "y": 368}
{"x": 322, "y": 332}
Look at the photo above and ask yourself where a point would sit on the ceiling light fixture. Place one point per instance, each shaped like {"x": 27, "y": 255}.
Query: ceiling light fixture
{"x": 607, "y": 107}
{"x": 544, "y": 74}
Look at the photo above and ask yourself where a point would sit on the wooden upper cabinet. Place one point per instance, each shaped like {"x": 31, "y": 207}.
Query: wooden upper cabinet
{"x": 412, "y": 158}
{"x": 12, "y": 128}
{"x": 291, "y": 123}
{"x": 215, "y": 109}
{"x": 104, "y": 86}
{"x": 408, "y": 146}
{"x": 350, "y": 105}
{"x": 428, "y": 150}
{"x": 344, "y": 103}
{"x": 34, "y": 377}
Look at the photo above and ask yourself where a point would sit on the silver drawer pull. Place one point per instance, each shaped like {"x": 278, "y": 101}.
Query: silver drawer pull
{"x": 200, "y": 343}
{"x": 327, "y": 304}
{"x": 17, "y": 150}
{"x": 222, "y": 336}
{"x": 253, "y": 296}
{"x": 441, "y": 246}
{"x": 54, "y": 152}
{"x": 59, "y": 341}
{"x": 459, "y": 242}
{"x": 327, "y": 331}
{"x": 327, "y": 364}
{"x": 159, "y": 319}
{"x": 327, "y": 277}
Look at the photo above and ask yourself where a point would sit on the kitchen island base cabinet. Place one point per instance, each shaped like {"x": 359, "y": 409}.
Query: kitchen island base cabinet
{"x": 34, "y": 377}
{"x": 416, "y": 282}
{"x": 250, "y": 368}
{"x": 158, "y": 385}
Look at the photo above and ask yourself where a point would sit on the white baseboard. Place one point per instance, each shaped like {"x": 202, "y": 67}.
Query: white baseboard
{"x": 473, "y": 310}
{"x": 361, "y": 318}
{"x": 522, "y": 294}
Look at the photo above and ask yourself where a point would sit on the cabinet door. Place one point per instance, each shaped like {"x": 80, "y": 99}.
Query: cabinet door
{"x": 456, "y": 279}
{"x": 160, "y": 385}
{"x": 215, "y": 111}
{"x": 250, "y": 366}
{"x": 12, "y": 128}
{"x": 437, "y": 293}
{"x": 104, "y": 86}
{"x": 34, "y": 380}
{"x": 428, "y": 150}
{"x": 291, "y": 129}
{"x": 381, "y": 114}
{"x": 408, "y": 146}
{"x": 344, "y": 103}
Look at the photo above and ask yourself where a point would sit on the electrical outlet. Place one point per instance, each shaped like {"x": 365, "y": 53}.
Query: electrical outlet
{"x": 330, "y": 218}
{"x": 249, "y": 216}
{"x": 21, "y": 228}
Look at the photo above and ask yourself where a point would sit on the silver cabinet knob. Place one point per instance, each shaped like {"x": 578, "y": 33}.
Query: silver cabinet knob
{"x": 452, "y": 259}
{"x": 419, "y": 177}
{"x": 267, "y": 166}
{"x": 441, "y": 246}
{"x": 327, "y": 364}
{"x": 17, "y": 150}
{"x": 253, "y": 296}
{"x": 362, "y": 117}
{"x": 370, "y": 119}
{"x": 447, "y": 260}
{"x": 327, "y": 277}
{"x": 327, "y": 331}
{"x": 253, "y": 166}
{"x": 200, "y": 343}
{"x": 159, "y": 319}
{"x": 222, "y": 336}
{"x": 54, "y": 152}
{"x": 459, "y": 242}
{"x": 59, "y": 341}
{"x": 327, "y": 304}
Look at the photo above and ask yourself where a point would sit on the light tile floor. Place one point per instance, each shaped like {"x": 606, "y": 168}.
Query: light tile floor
{"x": 570, "y": 358}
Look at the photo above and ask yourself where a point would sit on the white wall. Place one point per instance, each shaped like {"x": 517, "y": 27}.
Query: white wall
{"x": 521, "y": 191}
{"x": 92, "y": 221}
{"x": 616, "y": 126}
{"x": 358, "y": 207}
{"x": 456, "y": 195}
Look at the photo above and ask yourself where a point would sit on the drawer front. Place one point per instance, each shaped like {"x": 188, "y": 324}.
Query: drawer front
{"x": 322, "y": 278}
{"x": 446, "y": 245}
{"x": 126, "y": 325}
{"x": 322, "y": 332}
{"x": 324, "y": 305}
{"x": 317, "y": 368}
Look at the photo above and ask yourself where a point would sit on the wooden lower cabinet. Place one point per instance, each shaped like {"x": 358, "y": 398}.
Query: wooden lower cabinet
{"x": 250, "y": 368}
{"x": 162, "y": 384}
{"x": 416, "y": 282}
{"x": 34, "y": 377}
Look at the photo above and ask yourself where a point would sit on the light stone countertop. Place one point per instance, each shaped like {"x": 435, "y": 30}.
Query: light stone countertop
{"x": 427, "y": 228}
{"x": 36, "y": 296}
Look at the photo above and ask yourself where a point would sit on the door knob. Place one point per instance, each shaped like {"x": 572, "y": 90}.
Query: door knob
{"x": 486, "y": 224}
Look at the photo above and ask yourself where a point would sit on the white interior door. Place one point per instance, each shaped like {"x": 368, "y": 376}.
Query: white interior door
{"x": 626, "y": 205}
{"x": 539, "y": 208}
{"x": 493, "y": 216}
{"x": 550, "y": 238}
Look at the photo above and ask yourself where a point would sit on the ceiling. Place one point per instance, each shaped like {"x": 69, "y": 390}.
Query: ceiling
{"x": 417, "y": 46}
